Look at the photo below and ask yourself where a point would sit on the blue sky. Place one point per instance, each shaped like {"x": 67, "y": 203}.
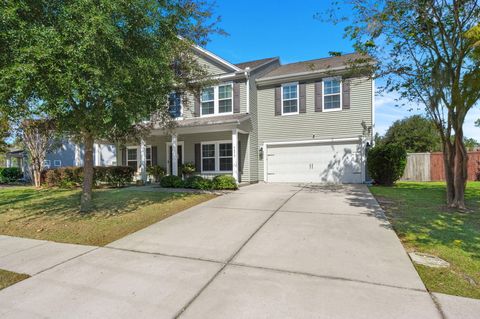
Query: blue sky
{"x": 268, "y": 28}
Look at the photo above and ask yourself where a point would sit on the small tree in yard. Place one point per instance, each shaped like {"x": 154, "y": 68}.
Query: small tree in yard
{"x": 427, "y": 50}
{"x": 38, "y": 136}
{"x": 99, "y": 67}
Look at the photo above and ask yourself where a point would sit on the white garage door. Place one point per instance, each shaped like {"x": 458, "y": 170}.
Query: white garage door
{"x": 314, "y": 163}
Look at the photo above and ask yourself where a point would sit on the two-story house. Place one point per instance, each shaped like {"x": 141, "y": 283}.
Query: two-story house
{"x": 264, "y": 121}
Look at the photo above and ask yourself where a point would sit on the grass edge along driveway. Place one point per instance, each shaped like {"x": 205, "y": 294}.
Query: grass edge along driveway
{"x": 418, "y": 213}
{"x": 52, "y": 214}
{"x": 8, "y": 278}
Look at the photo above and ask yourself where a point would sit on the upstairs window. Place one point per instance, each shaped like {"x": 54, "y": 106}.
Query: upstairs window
{"x": 217, "y": 100}
{"x": 290, "y": 98}
{"x": 175, "y": 105}
{"x": 332, "y": 98}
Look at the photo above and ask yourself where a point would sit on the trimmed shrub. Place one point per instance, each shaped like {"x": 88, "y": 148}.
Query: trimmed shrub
{"x": 119, "y": 176}
{"x": 156, "y": 171}
{"x": 386, "y": 163}
{"x": 198, "y": 182}
{"x": 114, "y": 176}
{"x": 10, "y": 174}
{"x": 224, "y": 182}
{"x": 171, "y": 181}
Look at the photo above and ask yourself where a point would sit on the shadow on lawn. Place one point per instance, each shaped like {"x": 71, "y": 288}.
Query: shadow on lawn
{"x": 67, "y": 203}
{"x": 419, "y": 212}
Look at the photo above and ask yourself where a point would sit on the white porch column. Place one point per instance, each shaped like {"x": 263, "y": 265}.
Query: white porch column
{"x": 174, "y": 156}
{"x": 143, "y": 160}
{"x": 8, "y": 161}
{"x": 96, "y": 149}
{"x": 77, "y": 155}
{"x": 235, "y": 154}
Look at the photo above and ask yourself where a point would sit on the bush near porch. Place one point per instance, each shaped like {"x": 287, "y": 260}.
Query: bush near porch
{"x": 220, "y": 182}
{"x": 113, "y": 176}
{"x": 10, "y": 174}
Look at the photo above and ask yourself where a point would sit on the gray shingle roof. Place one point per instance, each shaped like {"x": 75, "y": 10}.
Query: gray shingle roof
{"x": 314, "y": 65}
{"x": 253, "y": 64}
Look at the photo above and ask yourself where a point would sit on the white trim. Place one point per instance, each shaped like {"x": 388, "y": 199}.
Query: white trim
{"x": 216, "y": 58}
{"x": 57, "y": 161}
{"x": 247, "y": 75}
{"x": 332, "y": 94}
{"x": 137, "y": 147}
{"x": 297, "y": 98}
{"x": 217, "y": 156}
{"x": 372, "y": 137}
{"x": 167, "y": 152}
{"x": 235, "y": 160}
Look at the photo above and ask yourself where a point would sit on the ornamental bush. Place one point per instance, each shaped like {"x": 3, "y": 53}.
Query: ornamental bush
{"x": 114, "y": 176}
{"x": 156, "y": 171}
{"x": 171, "y": 181}
{"x": 386, "y": 163}
{"x": 188, "y": 169}
{"x": 224, "y": 182}
{"x": 198, "y": 182}
{"x": 10, "y": 174}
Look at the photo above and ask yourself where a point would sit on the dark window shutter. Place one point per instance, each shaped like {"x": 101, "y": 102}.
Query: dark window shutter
{"x": 236, "y": 97}
{"x": 154, "y": 155}
{"x": 124, "y": 156}
{"x": 278, "y": 100}
{"x": 240, "y": 166}
{"x": 318, "y": 96}
{"x": 198, "y": 158}
{"x": 302, "y": 98}
{"x": 196, "y": 105}
{"x": 346, "y": 94}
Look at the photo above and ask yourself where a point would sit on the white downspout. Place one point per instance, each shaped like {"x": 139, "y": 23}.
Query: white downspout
{"x": 373, "y": 112}
{"x": 247, "y": 75}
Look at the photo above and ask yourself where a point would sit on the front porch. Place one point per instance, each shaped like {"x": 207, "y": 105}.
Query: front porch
{"x": 214, "y": 146}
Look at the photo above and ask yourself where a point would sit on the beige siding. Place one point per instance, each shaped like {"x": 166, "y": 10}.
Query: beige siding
{"x": 213, "y": 67}
{"x": 314, "y": 125}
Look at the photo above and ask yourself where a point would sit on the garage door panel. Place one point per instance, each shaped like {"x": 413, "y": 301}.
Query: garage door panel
{"x": 314, "y": 163}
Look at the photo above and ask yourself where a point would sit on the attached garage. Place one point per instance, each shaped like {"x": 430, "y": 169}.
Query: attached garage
{"x": 337, "y": 162}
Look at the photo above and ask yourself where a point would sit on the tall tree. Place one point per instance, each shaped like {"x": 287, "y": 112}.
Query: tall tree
{"x": 38, "y": 137}
{"x": 426, "y": 50}
{"x": 99, "y": 67}
{"x": 415, "y": 133}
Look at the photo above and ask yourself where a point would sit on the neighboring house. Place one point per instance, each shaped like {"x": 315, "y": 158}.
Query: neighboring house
{"x": 67, "y": 154}
{"x": 298, "y": 122}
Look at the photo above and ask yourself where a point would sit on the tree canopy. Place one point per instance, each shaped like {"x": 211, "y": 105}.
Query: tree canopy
{"x": 99, "y": 68}
{"x": 415, "y": 134}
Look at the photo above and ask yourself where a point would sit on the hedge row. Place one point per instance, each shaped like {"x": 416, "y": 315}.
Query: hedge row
{"x": 114, "y": 176}
{"x": 10, "y": 174}
{"x": 197, "y": 182}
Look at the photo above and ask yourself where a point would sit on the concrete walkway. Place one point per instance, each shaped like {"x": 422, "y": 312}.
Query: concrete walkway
{"x": 266, "y": 251}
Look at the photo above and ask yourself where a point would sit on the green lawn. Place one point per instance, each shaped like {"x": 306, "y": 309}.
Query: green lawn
{"x": 8, "y": 278}
{"x": 421, "y": 219}
{"x": 52, "y": 214}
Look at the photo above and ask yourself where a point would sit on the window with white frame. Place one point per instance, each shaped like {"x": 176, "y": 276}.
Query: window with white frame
{"x": 217, "y": 100}
{"x": 332, "y": 98}
{"x": 132, "y": 157}
{"x": 225, "y": 157}
{"x": 290, "y": 98}
{"x": 46, "y": 163}
{"x": 57, "y": 163}
{"x": 217, "y": 157}
{"x": 208, "y": 157}
{"x": 148, "y": 156}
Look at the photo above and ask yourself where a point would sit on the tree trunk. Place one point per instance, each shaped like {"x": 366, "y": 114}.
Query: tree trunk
{"x": 86, "y": 200}
{"x": 448, "y": 160}
{"x": 460, "y": 171}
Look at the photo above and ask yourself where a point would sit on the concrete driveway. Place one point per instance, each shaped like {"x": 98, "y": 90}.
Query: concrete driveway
{"x": 266, "y": 251}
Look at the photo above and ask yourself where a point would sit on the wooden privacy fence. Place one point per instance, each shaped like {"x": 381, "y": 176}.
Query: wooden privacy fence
{"x": 426, "y": 167}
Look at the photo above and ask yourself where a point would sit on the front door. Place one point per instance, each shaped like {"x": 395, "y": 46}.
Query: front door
{"x": 180, "y": 159}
